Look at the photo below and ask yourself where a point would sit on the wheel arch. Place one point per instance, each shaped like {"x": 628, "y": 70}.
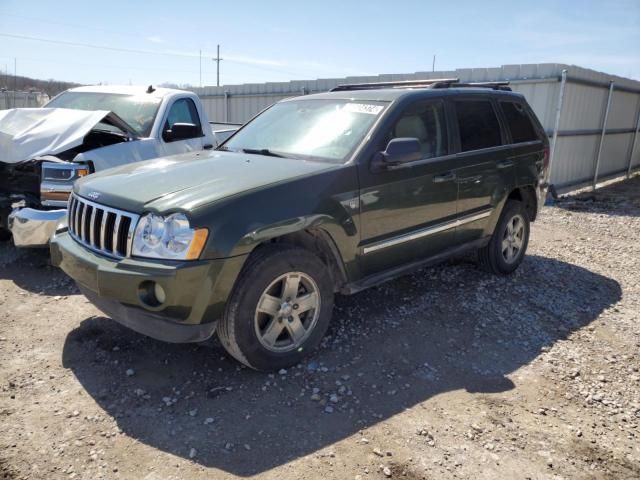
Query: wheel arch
{"x": 527, "y": 195}
{"x": 321, "y": 243}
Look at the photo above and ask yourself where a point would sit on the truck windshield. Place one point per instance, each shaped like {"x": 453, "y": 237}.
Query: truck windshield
{"x": 137, "y": 110}
{"x": 314, "y": 129}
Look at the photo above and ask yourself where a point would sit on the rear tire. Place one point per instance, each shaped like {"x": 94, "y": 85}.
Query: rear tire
{"x": 508, "y": 245}
{"x": 279, "y": 309}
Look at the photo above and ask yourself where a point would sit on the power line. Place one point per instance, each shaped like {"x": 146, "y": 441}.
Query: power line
{"x": 144, "y": 52}
{"x": 102, "y": 47}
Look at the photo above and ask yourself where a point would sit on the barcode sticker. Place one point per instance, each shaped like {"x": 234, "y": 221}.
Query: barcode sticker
{"x": 363, "y": 108}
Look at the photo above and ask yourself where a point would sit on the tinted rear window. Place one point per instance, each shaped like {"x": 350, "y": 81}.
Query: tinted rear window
{"x": 522, "y": 130}
{"x": 478, "y": 125}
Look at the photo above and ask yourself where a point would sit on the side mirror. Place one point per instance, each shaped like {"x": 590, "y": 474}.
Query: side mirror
{"x": 402, "y": 150}
{"x": 181, "y": 131}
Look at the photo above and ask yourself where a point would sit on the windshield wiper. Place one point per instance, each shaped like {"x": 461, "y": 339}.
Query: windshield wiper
{"x": 263, "y": 151}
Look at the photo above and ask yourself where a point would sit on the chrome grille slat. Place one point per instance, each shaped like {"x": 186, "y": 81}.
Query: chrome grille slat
{"x": 92, "y": 224}
{"x": 103, "y": 229}
{"x": 132, "y": 229}
{"x": 83, "y": 223}
{"x": 76, "y": 227}
{"x": 116, "y": 229}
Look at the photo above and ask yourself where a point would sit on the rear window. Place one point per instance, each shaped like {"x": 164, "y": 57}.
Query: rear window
{"x": 478, "y": 125}
{"x": 520, "y": 126}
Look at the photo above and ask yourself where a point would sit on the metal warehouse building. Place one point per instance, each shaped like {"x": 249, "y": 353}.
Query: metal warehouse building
{"x": 591, "y": 117}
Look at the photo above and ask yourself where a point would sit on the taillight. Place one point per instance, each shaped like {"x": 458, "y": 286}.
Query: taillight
{"x": 545, "y": 158}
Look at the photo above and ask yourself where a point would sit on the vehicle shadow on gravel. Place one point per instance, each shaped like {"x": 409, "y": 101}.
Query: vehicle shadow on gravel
{"x": 389, "y": 349}
{"x": 30, "y": 269}
{"x": 619, "y": 199}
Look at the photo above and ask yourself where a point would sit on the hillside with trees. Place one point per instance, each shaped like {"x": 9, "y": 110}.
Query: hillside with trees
{"x": 24, "y": 84}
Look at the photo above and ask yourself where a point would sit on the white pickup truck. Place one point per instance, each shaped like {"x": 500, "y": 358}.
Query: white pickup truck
{"x": 85, "y": 130}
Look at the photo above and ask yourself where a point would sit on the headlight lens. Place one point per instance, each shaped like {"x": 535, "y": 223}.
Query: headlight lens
{"x": 168, "y": 237}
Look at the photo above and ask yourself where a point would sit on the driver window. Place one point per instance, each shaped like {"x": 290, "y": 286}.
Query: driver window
{"x": 426, "y": 122}
{"x": 182, "y": 111}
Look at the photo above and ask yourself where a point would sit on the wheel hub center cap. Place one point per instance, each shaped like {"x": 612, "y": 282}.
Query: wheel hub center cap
{"x": 286, "y": 309}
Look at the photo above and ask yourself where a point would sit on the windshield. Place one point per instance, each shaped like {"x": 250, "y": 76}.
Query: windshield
{"x": 137, "y": 110}
{"x": 328, "y": 130}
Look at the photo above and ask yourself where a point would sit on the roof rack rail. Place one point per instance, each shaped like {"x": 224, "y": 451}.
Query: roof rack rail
{"x": 429, "y": 83}
{"x": 503, "y": 85}
{"x": 396, "y": 84}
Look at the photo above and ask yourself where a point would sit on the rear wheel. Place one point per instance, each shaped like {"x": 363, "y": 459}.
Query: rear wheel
{"x": 508, "y": 245}
{"x": 279, "y": 309}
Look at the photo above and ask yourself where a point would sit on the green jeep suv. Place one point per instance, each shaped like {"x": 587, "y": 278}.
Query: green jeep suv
{"x": 317, "y": 195}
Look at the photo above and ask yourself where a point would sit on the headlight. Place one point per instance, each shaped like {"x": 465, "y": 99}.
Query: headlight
{"x": 168, "y": 237}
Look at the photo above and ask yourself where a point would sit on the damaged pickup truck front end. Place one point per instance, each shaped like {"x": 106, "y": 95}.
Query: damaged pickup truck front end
{"x": 37, "y": 167}
{"x": 43, "y": 151}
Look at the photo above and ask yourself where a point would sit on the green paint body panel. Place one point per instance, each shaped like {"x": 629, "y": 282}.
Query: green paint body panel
{"x": 245, "y": 200}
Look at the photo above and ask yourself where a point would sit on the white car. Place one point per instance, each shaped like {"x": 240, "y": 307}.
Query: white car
{"x": 85, "y": 130}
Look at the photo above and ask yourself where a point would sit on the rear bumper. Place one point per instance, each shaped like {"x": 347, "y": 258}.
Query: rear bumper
{"x": 34, "y": 228}
{"x": 541, "y": 195}
{"x": 195, "y": 291}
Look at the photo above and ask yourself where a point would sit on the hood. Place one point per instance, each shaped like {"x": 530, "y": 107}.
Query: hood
{"x": 26, "y": 133}
{"x": 186, "y": 181}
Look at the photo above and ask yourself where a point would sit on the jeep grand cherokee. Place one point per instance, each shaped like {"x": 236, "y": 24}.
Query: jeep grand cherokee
{"x": 321, "y": 194}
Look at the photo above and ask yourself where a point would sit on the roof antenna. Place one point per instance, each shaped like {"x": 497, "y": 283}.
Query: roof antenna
{"x": 150, "y": 89}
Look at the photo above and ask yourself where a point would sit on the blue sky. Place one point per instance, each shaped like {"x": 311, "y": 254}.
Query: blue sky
{"x": 154, "y": 42}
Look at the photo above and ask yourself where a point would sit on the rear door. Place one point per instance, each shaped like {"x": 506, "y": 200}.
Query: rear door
{"x": 182, "y": 110}
{"x": 407, "y": 211}
{"x": 526, "y": 155}
{"x": 481, "y": 163}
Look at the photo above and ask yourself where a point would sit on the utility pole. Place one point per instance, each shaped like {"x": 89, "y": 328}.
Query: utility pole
{"x": 15, "y": 80}
{"x": 200, "y": 68}
{"x": 433, "y": 65}
{"x": 218, "y": 60}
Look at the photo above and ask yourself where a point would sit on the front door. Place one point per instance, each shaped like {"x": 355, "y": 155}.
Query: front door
{"x": 408, "y": 211}
{"x": 183, "y": 110}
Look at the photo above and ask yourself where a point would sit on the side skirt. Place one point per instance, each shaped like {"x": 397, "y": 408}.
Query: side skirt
{"x": 395, "y": 272}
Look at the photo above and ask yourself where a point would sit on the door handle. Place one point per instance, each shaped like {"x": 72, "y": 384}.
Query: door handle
{"x": 445, "y": 177}
{"x": 208, "y": 146}
{"x": 474, "y": 179}
{"x": 505, "y": 164}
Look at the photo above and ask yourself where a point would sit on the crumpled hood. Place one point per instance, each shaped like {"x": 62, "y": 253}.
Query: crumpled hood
{"x": 26, "y": 133}
{"x": 189, "y": 180}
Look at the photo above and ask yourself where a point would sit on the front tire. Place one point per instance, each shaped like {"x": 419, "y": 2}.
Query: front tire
{"x": 508, "y": 245}
{"x": 279, "y": 309}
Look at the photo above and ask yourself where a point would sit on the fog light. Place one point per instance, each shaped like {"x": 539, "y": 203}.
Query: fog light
{"x": 159, "y": 293}
{"x": 151, "y": 294}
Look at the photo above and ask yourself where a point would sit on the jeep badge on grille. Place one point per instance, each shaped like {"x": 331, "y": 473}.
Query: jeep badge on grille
{"x": 93, "y": 195}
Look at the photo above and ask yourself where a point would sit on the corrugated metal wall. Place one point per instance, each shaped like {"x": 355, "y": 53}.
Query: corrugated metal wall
{"x": 580, "y": 125}
{"x": 10, "y": 99}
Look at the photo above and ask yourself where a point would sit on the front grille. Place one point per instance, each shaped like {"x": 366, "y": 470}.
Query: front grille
{"x": 104, "y": 229}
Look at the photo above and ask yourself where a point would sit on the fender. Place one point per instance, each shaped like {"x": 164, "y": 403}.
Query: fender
{"x": 327, "y": 201}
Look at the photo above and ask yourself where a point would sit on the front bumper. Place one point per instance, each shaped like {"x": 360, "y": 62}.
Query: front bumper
{"x": 34, "y": 228}
{"x": 195, "y": 291}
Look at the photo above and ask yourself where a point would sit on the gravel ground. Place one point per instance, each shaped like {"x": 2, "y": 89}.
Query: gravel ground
{"x": 448, "y": 373}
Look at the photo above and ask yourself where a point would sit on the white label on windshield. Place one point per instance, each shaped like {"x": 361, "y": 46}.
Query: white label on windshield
{"x": 363, "y": 108}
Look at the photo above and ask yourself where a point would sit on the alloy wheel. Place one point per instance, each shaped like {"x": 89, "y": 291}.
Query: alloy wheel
{"x": 287, "y": 312}
{"x": 513, "y": 239}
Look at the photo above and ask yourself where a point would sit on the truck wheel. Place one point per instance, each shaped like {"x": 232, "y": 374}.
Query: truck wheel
{"x": 509, "y": 241}
{"x": 279, "y": 309}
